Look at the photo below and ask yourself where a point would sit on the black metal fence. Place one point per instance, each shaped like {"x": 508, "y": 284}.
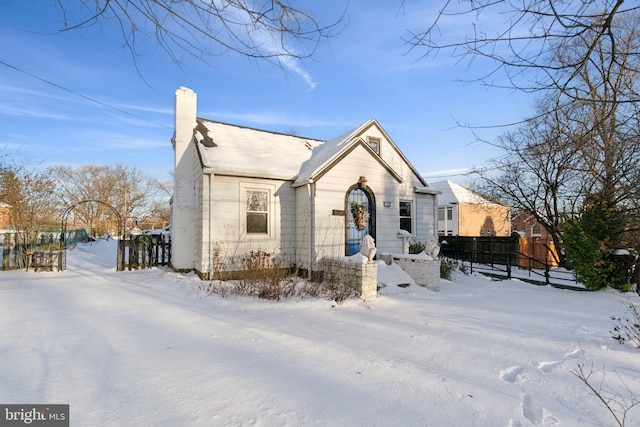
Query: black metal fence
{"x": 484, "y": 250}
{"x": 500, "y": 257}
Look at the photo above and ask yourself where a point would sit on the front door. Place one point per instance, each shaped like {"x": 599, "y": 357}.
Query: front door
{"x": 359, "y": 218}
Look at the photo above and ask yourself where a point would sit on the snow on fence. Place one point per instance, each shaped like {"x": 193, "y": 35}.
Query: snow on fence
{"x": 353, "y": 271}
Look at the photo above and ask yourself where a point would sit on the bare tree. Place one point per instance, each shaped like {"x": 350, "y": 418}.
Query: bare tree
{"x": 274, "y": 30}
{"x": 521, "y": 39}
{"x": 581, "y": 144}
{"x": 538, "y": 173}
{"x": 126, "y": 189}
{"x": 29, "y": 193}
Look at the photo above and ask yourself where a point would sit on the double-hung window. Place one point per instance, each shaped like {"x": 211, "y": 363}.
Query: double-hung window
{"x": 257, "y": 211}
{"x": 405, "y": 216}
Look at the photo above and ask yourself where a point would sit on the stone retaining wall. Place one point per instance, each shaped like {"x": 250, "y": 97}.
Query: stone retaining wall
{"x": 424, "y": 271}
{"x": 363, "y": 276}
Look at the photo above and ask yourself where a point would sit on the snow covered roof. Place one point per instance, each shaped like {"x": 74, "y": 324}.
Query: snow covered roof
{"x": 327, "y": 151}
{"x": 456, "y": 193}
{"x": 237, "y": 150}
{"x": 242, "y": 151}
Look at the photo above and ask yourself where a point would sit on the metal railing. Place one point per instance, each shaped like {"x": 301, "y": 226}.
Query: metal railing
{"x": 504, "y": 265}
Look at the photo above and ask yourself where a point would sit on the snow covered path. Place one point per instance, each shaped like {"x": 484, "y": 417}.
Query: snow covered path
{"x": 146, "y": 348}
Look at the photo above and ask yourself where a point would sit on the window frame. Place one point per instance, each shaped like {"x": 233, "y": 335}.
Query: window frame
{"x": 410, "y": 216}
{"x": 449, "y": 213}
{"x": 268, "y": 190}
{"x": 373, "y": 140}
{"x": 536, "y": 230}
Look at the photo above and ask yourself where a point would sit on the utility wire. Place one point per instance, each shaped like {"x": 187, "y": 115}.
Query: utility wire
{"x": 84, "y": 96}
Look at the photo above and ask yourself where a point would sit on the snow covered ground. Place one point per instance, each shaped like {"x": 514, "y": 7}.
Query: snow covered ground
{"x": 147, "y": 348}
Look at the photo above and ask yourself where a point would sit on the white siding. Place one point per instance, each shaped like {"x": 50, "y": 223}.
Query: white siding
{"x": 426, "y": 211}
{"x": 201, "y": 187}
{"x": 331, "y": 193}
{"x": 303, "y": 224}
{"x": 228, "y": 233}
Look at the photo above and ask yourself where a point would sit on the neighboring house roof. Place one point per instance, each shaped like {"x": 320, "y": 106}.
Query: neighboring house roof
{"x": 456, "y": 193}
{"x": 241, "y": 151}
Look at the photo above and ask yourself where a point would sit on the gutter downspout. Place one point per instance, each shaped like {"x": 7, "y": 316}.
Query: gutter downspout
{"x": 210, "y": 267}
{"x": 312, "y": 220}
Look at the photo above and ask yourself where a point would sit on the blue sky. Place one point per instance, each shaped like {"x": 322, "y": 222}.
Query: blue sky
{"x": 76, "y": 98}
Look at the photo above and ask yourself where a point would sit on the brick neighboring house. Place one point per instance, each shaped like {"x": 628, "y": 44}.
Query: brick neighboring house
{"x": 5, "y": 211}
{"x": 535, "y": 240}
{"x": 463, "y": 212}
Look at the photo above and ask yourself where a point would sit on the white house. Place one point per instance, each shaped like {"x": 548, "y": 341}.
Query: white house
{"x": 238, "y": 190}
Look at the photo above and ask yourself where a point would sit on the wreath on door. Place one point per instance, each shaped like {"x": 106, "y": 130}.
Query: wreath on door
{"x": 358, "y": 211}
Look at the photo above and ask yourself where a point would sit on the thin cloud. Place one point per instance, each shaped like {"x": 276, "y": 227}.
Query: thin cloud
{"x": 293, "y": 65}
{"x": 270, "y": 42}
{"x": 275, "y": 119}
{"x": 31, "y": 112}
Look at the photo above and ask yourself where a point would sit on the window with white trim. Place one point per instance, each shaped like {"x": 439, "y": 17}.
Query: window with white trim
{"x": 405, "y": 216}
{"x": 257, "y": 211}
{"x": 374, "y": 143}
{"x": 536, "y": 230}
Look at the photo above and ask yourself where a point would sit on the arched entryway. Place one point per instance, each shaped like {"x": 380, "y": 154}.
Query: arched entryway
{"x": 65, "y": 216}
{"x": 360, "y": 208}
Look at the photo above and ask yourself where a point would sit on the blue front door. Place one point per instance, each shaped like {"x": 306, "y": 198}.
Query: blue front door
{"x": 358, "y": 219}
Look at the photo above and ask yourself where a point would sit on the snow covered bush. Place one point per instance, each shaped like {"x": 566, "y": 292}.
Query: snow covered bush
{"x": 448, "y": 267}
{"x": 416, "y": 247}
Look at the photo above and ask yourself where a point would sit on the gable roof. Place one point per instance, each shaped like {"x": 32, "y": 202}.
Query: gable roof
{"x": 456, "y": 193}
{"x": 242, "y": 151}
{"x": 329, "y": 153}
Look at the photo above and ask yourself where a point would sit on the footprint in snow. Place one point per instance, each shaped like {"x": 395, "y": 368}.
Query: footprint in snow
{"x": 530, "y": 411}
{"x": 575, "y": 353}
{"x": 511, "y": 374}
{"x": 548, "y": 366}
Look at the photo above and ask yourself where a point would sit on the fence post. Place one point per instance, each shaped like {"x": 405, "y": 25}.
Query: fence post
{"x": 473, "y": 250}
{"x": 509, "y": 265}
{"x": 546, "y": 273}
{"x": 120, "y": 255}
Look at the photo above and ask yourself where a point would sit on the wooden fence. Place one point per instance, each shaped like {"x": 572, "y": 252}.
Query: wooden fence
{"x": 537, "y": 253}
{"x": 47, "y": 253}
{"x": 143, "y": 251}
{"x": 41, "y": 254}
